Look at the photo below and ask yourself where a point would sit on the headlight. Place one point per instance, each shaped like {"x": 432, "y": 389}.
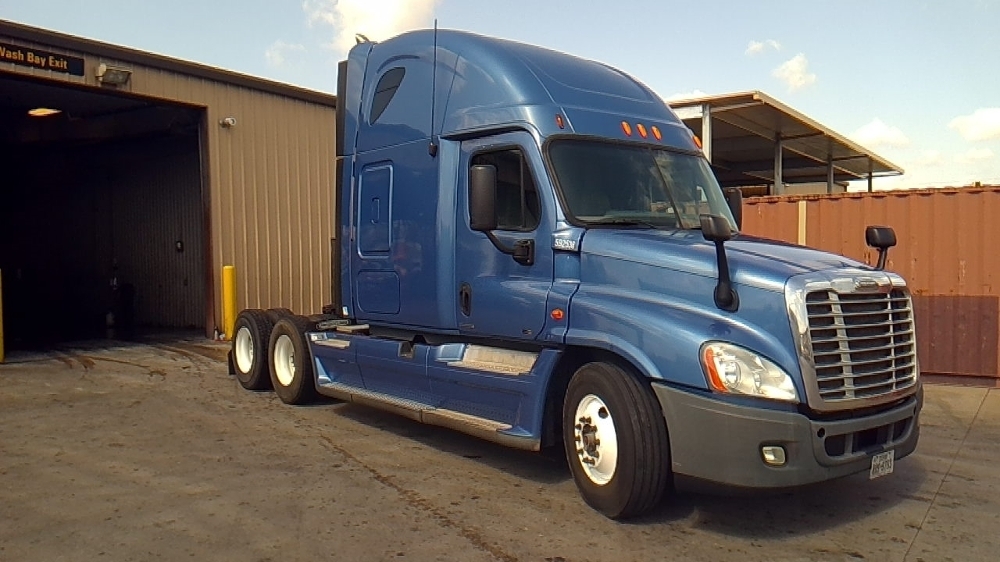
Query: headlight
{"x": 734, "y": 370}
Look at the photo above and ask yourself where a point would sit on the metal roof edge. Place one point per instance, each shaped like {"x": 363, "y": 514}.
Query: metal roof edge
{"x": 700, "y": 100}
{"x": 766, "y": 99}
{"x": 69, "y": 42}
{"x": 795, "y": 114}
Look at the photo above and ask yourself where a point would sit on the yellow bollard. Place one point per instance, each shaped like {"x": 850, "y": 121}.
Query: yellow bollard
{"x": 229, "y": 300}
{"x": 1, "y": 317}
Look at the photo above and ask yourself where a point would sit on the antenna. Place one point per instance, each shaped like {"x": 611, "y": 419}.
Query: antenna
{"x": 432, "y": 148}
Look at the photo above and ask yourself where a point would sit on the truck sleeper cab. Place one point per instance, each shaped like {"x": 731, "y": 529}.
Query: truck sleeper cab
{"x": 533, "y": 250}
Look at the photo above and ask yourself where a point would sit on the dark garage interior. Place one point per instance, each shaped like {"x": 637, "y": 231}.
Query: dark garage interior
{"x": 102, "y": 214}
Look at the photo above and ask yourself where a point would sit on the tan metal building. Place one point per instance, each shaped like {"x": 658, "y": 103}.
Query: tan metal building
{"x": 153, "y": 175}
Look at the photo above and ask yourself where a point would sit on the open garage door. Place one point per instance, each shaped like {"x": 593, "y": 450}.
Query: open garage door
{"x": 102, "y": 221}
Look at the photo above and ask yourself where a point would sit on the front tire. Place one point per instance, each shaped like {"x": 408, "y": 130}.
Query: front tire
{"x": 291, "y": 365}
{"x": 251, "y": 335}
{"x": 616, "y": 441}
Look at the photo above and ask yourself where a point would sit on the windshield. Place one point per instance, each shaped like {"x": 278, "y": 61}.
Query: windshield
{"x": 631, "y": 185}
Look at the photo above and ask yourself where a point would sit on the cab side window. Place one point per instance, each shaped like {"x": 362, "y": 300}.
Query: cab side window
{"x": 518, "y": 205}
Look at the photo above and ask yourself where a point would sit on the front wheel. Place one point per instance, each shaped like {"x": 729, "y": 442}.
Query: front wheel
{"x": 291, "y": 365}
{"x": 616, "y": 441}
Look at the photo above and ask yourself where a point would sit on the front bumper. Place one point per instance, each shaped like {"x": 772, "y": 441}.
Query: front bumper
{"x": 721, "y": 442}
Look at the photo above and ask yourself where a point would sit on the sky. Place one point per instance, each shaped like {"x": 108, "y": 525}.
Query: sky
{"x": 915, "y": 81}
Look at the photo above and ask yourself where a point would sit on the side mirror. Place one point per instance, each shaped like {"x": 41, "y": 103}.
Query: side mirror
{"x": 716, "y": 228}
{"x": 881, "y": 238}
{"x": 734, "y": 198}
{"x": 483, "y": 198}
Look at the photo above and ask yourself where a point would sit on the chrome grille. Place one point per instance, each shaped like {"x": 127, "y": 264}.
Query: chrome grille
{"x": 862, "y": 343}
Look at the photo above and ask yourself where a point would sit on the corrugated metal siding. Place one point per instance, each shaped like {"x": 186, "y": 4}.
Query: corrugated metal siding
{"x": 70, "y": 212}
{"x": 154, "y": 194}
{"x": 272, "y": 189}
{"x": 777, "y": 221}
{"x": 944, "y": 251}
{"x": 270, "y": 182}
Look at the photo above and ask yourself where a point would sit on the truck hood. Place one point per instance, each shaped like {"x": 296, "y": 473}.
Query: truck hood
{"x": 758, "y": 262}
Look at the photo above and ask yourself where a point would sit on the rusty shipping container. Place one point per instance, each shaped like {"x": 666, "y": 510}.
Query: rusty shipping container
{"x": 943, "y": 251}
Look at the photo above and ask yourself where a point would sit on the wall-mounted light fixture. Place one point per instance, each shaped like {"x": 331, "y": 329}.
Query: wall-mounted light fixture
{"x": 113, "y": 75}
{"x": 228, "y": 122}
{"x": 43, "y": 111}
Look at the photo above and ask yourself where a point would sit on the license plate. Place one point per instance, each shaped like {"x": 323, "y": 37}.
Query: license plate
{"x": 882, "y": 464}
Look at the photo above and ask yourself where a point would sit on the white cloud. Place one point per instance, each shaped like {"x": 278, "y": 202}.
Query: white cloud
{"x": 974, "y": 155}
{"x": 795, "y": 73}
{"x": 375, "y": 19}
{"x": 983, "y": 124}
{"x": 876, "y": 133}
{"x": 938, "y": 168}
{"x": 758, "y": 47}
{"x": 930, "y": 159}
{"x": 686, "y": 95}
{"x": 277, "y": 54}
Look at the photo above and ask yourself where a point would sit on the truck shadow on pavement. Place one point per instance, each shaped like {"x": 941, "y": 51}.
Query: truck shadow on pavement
{"x": 773, "y": 514}
{"x": 768, "y": 514}
{"x": 546, "y": 467}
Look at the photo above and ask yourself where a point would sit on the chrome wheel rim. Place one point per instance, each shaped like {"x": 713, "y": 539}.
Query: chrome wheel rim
{"x": 244, "y": 350}
{"x": 595, "y": 439}
{"x": 284, "y": 360}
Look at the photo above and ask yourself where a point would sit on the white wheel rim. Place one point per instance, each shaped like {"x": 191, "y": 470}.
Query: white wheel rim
{"x": 244, "y": 350}
{"x": 284, "y": 360}
{"x": 596, "y": 440}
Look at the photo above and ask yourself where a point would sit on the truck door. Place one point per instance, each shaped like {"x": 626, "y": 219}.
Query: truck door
{"x": 497, "y": 296}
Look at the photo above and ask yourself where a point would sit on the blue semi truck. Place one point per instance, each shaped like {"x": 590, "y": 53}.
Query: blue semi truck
{"x": 533, "y": 250}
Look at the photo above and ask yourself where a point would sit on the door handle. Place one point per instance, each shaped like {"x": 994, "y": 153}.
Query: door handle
{"x": 465, "y": 299}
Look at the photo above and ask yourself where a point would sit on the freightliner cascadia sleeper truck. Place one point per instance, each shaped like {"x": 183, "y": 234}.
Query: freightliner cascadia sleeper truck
{"x": 532, "y": 249}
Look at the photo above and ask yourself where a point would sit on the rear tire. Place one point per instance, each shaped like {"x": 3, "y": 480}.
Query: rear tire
{"x": 252, "y": 333}
{"x": 616, "y": 441}
{"x": 291, "y": 364}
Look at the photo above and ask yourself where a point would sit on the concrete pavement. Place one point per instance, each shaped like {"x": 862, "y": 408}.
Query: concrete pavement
{"x": 139, "y": 452}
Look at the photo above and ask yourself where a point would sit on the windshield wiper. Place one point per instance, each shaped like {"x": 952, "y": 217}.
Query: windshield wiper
{"x": 622, "y": 222}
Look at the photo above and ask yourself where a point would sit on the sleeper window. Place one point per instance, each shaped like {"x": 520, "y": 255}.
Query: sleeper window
{"x": 384, "y": 91}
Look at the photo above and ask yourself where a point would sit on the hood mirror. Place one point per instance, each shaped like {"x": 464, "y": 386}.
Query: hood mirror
{"x": 881, "y": 238}
{"x": 716, "y": 229}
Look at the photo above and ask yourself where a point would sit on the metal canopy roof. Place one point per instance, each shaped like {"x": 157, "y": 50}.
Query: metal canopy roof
{"x": 741, "y": 139}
